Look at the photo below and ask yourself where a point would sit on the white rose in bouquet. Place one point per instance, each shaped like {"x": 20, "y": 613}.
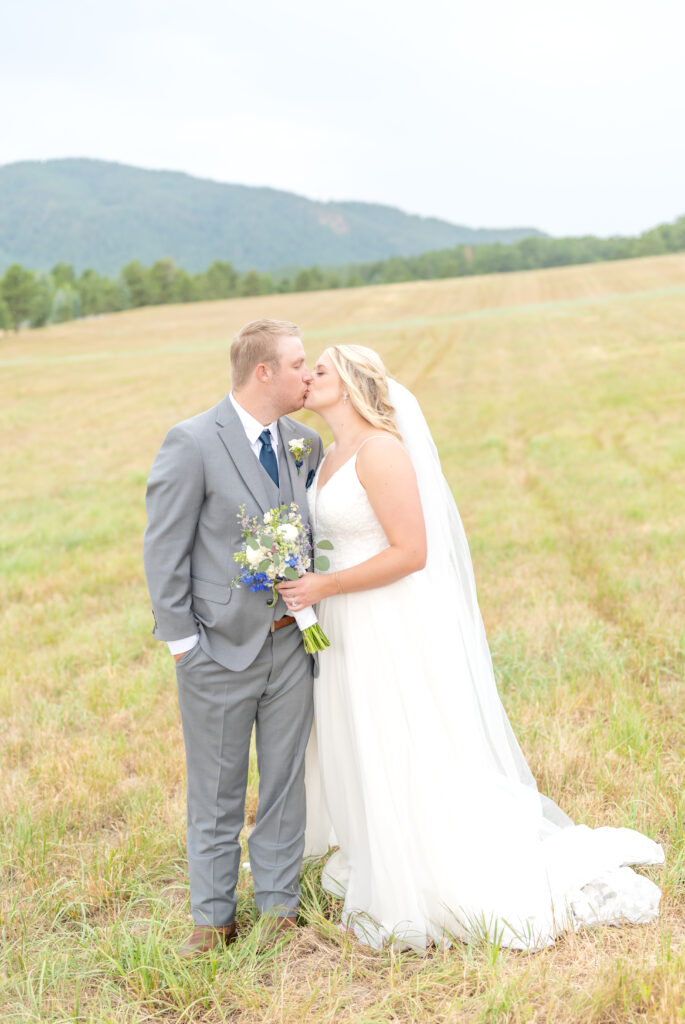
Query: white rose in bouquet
{"x": 255, "y": 556}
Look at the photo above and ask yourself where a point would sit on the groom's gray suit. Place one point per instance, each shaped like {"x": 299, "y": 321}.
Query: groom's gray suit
{"x": 241, "y": 672}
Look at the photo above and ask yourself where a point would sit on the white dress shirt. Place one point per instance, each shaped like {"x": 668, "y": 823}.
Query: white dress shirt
{"x": 253, "y": 429}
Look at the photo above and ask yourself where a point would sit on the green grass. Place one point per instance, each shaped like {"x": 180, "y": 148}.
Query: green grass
{"x": 556, "y": 400}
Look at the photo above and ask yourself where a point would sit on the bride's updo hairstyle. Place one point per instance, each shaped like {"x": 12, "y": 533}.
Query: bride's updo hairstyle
{"x": 365, "y": 380}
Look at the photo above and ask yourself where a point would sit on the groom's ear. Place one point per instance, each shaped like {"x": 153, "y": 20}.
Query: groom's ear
{"x": 310, "y": 478}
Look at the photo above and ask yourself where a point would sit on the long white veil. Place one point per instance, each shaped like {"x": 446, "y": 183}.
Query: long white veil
{"x": 449, "y": 572}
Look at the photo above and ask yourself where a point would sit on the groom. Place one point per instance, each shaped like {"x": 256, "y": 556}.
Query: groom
{"x": 239, "y": 663}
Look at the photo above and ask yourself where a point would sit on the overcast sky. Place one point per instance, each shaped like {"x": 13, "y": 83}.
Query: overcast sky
{"x": 566, "y": 116}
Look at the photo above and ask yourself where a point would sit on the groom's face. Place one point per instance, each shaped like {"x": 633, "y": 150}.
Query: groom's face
{"x": 292, "y": 378}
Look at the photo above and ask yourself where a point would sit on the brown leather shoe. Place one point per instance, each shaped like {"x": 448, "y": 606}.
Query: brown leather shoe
{"x": 205, "y": 938}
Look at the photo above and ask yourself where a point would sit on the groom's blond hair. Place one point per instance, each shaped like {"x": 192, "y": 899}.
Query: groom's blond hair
{"x": 255, "y": 343}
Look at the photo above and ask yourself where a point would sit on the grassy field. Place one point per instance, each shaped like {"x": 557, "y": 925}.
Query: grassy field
{"x": 557, "y": 400}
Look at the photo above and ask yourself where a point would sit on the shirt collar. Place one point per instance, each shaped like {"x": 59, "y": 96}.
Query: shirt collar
{"x": 253, "y": 427}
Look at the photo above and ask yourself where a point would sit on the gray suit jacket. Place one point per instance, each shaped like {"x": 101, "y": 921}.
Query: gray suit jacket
{"x": 203, "y": 472}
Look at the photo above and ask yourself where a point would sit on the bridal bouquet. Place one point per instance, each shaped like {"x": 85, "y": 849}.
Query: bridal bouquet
{"x": 279, "y": 547}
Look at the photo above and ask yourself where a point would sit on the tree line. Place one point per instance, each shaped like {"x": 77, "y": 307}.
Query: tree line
{"x": 34, "y": 299}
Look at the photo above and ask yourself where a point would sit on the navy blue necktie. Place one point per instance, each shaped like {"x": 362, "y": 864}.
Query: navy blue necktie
{"x": 267, "y": 456}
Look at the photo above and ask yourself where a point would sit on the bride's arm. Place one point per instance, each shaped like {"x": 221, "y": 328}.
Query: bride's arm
{"x": 387, "y": 475}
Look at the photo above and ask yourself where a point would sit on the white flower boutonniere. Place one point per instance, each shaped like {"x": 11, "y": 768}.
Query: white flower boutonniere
{"x": 300, "y": 447}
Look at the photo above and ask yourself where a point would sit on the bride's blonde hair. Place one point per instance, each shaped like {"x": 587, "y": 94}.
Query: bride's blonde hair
{"x": 365, "y": 380}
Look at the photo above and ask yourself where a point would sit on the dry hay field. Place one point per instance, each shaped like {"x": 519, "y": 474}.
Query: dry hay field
{"x": 557, "y": 399}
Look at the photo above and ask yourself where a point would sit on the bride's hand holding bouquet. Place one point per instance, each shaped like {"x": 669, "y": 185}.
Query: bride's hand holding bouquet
{"x": 308, "y": 590}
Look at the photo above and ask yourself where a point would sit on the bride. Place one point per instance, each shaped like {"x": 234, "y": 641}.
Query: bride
{"x": 418, "y": 778}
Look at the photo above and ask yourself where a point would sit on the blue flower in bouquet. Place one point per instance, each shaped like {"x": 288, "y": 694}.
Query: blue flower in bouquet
{"x": 255, "y": 581}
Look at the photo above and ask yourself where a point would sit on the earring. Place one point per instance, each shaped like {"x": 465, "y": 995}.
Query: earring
{"x": 345, "y": 396}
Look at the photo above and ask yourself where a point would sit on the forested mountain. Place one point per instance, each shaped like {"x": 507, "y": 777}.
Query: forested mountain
{"x": 93, "y": 214}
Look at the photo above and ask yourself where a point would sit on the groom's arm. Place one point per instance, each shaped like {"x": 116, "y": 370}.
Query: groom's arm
{"x": 175, "y": 495}
{"x": 319, "y": 451}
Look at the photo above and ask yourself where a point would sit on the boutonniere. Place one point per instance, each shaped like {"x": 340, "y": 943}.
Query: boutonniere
{"x": 300, "y": 447}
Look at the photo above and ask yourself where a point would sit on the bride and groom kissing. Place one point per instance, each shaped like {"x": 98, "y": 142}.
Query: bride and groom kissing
{"x": 392, "y": 745}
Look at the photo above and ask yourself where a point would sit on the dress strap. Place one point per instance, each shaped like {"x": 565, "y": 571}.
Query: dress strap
{"x": 373, "y": 437}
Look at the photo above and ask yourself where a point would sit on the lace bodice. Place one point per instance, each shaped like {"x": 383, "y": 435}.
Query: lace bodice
{"x": 341, "y": 513}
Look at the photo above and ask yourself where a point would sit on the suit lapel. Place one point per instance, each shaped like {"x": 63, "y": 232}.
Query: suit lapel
{"x": 297, "y": 480}
{"x": 235, "y": 441}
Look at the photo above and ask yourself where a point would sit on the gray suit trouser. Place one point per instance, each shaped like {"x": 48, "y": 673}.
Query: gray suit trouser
{"x": 218, "y": 709}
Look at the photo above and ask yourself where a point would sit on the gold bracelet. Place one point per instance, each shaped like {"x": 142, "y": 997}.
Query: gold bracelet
{"x": 337, "y": 580}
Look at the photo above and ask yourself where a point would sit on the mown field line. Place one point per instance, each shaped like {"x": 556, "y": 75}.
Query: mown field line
{"x": 343, "y": 332}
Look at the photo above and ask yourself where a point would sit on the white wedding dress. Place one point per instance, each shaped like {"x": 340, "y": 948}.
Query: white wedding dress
{"x": 413, "y": 770}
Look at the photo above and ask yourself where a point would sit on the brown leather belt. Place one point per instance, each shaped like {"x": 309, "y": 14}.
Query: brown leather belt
{"x": 280, "y": 623}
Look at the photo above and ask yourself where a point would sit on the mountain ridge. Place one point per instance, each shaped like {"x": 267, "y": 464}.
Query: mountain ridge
{"x": 102, "y": 214}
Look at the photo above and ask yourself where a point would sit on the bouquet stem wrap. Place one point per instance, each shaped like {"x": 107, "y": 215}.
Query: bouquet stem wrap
{"x": 313, "y": 636}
